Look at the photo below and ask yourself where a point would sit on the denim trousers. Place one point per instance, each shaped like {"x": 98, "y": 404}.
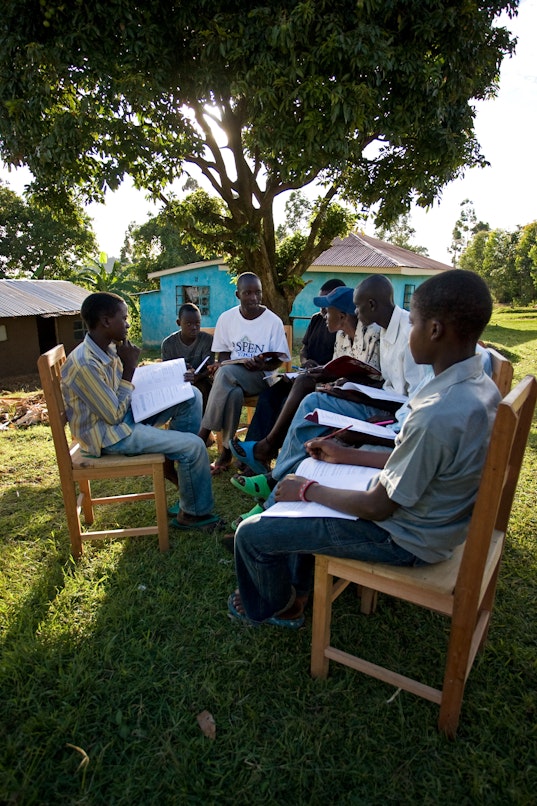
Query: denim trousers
{"x": 180, "y": 443}
{"x": 301, "y": 430}
{"x": 273, "y": 555}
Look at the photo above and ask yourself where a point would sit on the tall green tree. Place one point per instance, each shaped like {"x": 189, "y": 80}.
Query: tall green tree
{"x": 526, "y": 263}
{"x": 372, "y": 100}
{"x": 39, "y": 242}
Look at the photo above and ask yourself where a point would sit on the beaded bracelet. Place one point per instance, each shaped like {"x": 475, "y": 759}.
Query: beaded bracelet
{"x": 304, "y": 488}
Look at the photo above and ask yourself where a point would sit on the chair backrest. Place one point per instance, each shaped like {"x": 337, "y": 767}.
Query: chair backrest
{"x": 49, "y": 365}
{"x": 492, "y": 508}
{"x": 502, "y": 371}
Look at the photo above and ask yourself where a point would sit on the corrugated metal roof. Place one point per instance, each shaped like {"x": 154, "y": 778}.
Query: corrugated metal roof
{"x": 366, "y": 252}
{"x": 31, "y": 297}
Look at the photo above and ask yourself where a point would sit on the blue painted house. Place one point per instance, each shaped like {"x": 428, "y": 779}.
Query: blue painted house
{"x": 212, "y": 289}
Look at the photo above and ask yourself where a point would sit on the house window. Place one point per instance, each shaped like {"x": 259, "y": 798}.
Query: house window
{"x": 409, "y": 290}
{"x": 3, "y": 333}
{"x": 79, "y": 330}
{"x": 198, "y": 294}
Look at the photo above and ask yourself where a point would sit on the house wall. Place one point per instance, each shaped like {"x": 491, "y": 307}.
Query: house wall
{"x": 19, "y": 353}
{"x": 158, "y": 309}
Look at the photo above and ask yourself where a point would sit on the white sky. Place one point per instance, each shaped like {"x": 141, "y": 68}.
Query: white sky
{"x": 504, "y": 195}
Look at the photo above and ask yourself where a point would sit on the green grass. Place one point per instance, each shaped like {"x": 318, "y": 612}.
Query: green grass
{"x": 106, "y": 663}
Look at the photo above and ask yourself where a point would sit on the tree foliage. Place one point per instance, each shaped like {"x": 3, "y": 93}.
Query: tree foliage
{"x": 400, "y": 233}
{"x": 370, "y": 99}
{"x": 41, "y": 243}
{"x": 156, "y": 245}
{"x": 507, "y": 261}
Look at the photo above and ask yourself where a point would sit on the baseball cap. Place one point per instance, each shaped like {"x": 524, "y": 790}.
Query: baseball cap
{"x": 340, "y": 298}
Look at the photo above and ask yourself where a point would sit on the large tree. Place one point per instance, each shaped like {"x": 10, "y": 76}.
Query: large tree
{"x": 39, "y": 242}
{"x": 371, "y": 99}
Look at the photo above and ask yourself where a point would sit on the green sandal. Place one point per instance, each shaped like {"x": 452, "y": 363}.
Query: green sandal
{"x": 255, "y": 486}
{"x": 257, "y": 510}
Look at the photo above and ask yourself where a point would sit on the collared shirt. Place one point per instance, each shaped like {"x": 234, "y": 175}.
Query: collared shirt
{"x": 434, "y": 471}
{"x": 365, "y": 346}
{"x": 96, "y": 396}
{"x": 400, "y": 372}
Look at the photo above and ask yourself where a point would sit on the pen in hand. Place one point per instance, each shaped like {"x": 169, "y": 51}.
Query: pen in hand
{"x": 201, "y": 365}
{"x": 334, "y": 433}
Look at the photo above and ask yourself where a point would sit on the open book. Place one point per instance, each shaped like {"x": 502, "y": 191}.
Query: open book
{"x": 159, "y": 386}
{"x": 340, "y": 477}
{"x": 368, "y": 395}
{"x": 348, "y": 367}
{"x": 330, "y": 418}
{"x": 267, "y": 357}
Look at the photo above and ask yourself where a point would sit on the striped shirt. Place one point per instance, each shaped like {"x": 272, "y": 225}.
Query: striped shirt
{"x": 96, "y": 397}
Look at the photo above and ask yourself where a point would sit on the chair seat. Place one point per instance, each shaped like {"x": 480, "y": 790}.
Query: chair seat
{"x": 431, "y": 586}
{"x": 109, "y": 461}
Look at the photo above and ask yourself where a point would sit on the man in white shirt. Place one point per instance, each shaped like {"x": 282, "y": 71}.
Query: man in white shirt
{"x": 246, "y": 333}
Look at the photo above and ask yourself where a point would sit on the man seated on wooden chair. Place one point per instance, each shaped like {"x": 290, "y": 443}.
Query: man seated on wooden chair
{"x": 417, "y": 509}
{"x": 250, "y": 341}
{"x": 97, "y": 389}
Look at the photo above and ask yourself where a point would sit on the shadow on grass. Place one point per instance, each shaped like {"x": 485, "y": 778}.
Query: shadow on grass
{"x": 136, "y": 644}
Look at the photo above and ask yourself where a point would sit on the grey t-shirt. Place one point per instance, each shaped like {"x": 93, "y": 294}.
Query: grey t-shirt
{"x": 435, "y": 468}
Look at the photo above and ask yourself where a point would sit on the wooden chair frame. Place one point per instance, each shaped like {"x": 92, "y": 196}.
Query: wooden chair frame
{"x": 76, "y": 469}
{"x": 502, "y": 371}
{"x": 462, "y": 588}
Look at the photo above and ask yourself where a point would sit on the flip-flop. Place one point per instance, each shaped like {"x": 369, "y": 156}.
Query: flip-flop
{"x": 174, "y": 510}
{"x": 244, "y": 452}
{"x": 234, "y": 613}
{"x": 185, "y": 527}
{"x": 274, "y": 621}
{"x": 255, "y": 486}
{"x": 257, "y": 510}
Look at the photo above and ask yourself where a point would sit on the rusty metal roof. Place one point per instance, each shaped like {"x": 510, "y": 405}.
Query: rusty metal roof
{"x": 359, "y": 250}
{"x": 44, "y": 297}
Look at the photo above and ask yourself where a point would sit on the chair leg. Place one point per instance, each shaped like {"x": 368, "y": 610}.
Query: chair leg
{"x": 73, "y": 520}
{"x": 87, "y": 502}
{"x": 322, "y": 614}
{"x": 161, "y": 506}
{"x": 368, "y": 600}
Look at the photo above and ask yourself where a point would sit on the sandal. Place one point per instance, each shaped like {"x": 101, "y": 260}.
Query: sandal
{"x": 275, "y": 621}
{"x": 255, "y": 486}
{"x": 244, "y": 452}
{"x": 257, "y": 510}
{"x": 174, "y": 510}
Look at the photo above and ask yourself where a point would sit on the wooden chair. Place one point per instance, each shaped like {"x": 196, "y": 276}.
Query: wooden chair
{"x": 76, "y": 469}
{"x": 502, "y": 371}
{"x": 462, "y": 588}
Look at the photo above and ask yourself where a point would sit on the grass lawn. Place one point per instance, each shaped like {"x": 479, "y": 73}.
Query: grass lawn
{"x": 106, "y": 663}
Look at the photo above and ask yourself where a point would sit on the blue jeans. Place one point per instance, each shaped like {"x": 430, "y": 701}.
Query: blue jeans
{"x": 301, "y": 430}
{"x": 179, "y": 443}
{"x": 273, "y": 555}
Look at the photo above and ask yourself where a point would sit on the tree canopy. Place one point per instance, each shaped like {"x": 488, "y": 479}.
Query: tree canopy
{"x": 507, "y": 261}
{"x": 41, "y": 243}
{"x": 372, "y": 100}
